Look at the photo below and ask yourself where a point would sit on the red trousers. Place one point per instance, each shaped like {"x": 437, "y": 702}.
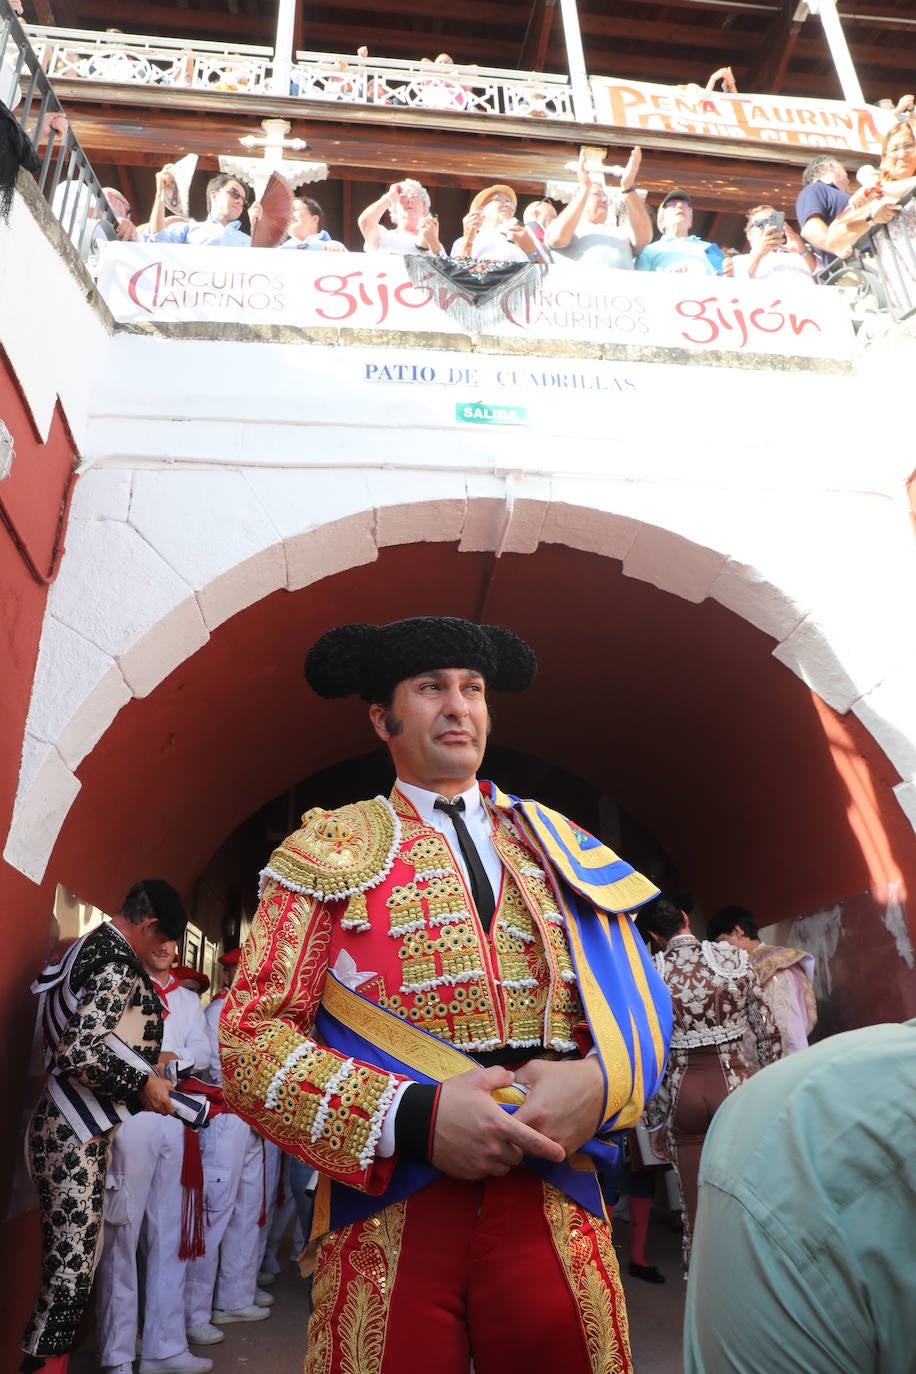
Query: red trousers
{"x": 508, "y": 1271}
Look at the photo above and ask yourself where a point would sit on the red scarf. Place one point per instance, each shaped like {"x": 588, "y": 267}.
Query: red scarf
{"x": 163, "y": 992}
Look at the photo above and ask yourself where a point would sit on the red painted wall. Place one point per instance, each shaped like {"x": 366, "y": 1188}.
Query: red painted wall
{"x": 32, "y": 498}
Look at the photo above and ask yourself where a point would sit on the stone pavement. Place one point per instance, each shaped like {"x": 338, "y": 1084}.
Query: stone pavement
{"x": 277, "y": 1346}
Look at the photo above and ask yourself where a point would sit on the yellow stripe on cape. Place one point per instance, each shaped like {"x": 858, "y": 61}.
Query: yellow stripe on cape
{"x": 587, "y": 865}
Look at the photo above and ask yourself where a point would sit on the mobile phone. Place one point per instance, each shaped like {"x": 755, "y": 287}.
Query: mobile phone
{"x": 776, "y": 220}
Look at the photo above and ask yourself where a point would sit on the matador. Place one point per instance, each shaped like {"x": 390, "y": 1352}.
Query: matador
{"x": 443, "y": 1007}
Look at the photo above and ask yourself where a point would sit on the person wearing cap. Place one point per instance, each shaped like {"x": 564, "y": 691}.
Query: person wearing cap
{"x": 442, "y": 1007}
{"x": 222, "y": 1283}
{"x": 491, "y": 231}
{"x": 99, "y": 986}
{"x": 582, "y": 232}
{"x": 416, "y": 229}
{"x": 151, "y": 1156}
{"x": 678, "y": 250}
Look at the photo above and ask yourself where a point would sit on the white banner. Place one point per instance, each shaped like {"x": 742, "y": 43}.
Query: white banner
{"x": 788, "y": 120}
{"x": 167, "y": 283}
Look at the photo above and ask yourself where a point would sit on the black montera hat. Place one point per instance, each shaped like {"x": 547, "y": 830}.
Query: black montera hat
{"x": 168, "y": 908}
{"x": 370, "y": 660}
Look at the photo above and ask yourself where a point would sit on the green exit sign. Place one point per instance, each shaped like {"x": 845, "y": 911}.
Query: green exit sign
{"x": 476, "y": 413}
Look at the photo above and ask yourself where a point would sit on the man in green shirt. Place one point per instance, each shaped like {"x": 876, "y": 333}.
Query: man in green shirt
{"x": 805, "y": 1245}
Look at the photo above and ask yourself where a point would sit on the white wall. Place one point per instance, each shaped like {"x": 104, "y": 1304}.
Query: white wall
{"x": 219, "y": 470}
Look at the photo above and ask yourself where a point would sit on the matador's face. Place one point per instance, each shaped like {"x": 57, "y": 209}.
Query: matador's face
{"x": 436, "y": 728}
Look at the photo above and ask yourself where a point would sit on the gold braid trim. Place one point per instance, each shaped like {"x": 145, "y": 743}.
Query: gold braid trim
{"x": 351, "y": 1296}
{"x": 339, "y": 853}
{"x": 586, "y": 1252}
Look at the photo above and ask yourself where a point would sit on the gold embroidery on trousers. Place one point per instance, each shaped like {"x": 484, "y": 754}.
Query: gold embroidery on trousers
{"x": 355, "y": 1311}
{"x": 586, "y": 1251}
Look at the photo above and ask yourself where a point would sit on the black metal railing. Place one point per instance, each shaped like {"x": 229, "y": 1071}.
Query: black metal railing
{"x": 881, "y": 269}
{"x": 66, "y": 179}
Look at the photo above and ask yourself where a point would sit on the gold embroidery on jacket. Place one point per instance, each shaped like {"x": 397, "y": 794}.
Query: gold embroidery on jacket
{"x": 338, "y": 853}
{"x": 586, "y": 1252}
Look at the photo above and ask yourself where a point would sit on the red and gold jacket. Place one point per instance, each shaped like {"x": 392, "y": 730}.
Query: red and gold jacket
{"x": 374, "y": 894}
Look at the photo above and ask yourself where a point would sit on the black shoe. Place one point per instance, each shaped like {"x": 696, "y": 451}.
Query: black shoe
{"x": 648, "y": 1272}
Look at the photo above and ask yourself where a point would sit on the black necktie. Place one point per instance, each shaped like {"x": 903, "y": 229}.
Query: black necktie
{"x": 480, "y": 883}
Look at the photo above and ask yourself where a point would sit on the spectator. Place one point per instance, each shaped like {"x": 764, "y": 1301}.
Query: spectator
{"x": 823, "y": 200}
{"x": 892, "y": 113}
{"x": 726, "y": 76}
{"x": 226, "y": 197}
{"x": 415, "y": 230}
{"x": 806, "y": 1229}
{"x": 678, "y": 250}
{"x": 716, "y": 997}
{"x": 898, "y": 170}
{"x": 538, "y": 217}
{"x": 786, "y": 975}
{"x": 306, "y": 228}
{"x": 437, "y": 93}
{"x": 120, "y": 208}
{"x": 775, "y": 250}
{"x": 101, "y": 233}
{"x": 491, "y": 230}
{"x": 898, "y": 160}
{"x": 582, "y": 234}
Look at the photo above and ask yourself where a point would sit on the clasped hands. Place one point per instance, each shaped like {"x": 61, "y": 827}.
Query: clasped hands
{"x": 475, "y": 1138}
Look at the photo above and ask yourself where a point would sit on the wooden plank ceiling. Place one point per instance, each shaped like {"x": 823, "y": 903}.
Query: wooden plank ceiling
{"x": 768, "y": 46}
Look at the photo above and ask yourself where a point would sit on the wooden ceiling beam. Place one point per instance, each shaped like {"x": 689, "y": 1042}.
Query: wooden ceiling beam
{"x": 725, "y": 183}
{"x": 667, "y": 35}
{"x": 897, "y": 55}
{"x": 778, "y": 48}
{"x": 471, "y": 12}
{"x": 537, "y": 35}
{"x": 500, "y": 52}
{"x": 710, "y": 8}
{"x": 44, "y": 13}
{"x": 170, "y": 21}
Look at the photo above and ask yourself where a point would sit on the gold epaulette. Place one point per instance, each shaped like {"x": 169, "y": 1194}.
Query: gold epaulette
{"x": 338, "y": 853}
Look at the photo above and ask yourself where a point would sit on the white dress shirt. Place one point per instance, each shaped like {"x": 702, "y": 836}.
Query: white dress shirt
{"x": 477, "y": 819}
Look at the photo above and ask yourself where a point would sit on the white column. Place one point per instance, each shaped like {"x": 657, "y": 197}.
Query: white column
{"x": 283, "y": 50}
{"x": 839, "y": 49}
{"x": 575, "y": 61}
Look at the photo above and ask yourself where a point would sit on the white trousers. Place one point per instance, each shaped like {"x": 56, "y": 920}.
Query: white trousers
{"x": 283, "y": 1213}
{"x": 143, "y": 1200}
{"x": 226, "y": 1276}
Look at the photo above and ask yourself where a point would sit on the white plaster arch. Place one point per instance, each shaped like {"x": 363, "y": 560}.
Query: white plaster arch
{"x": 156, "y": 559}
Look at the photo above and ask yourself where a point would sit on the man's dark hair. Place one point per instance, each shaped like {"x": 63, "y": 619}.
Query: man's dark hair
{"x": 817, "y": 167}
{"x": 137, "y": 906}
{"x": 217, "y": 183}
{"x": 154, "y": 897}
{"x": 660, "y": 917}
{"x": 727, "y": 918}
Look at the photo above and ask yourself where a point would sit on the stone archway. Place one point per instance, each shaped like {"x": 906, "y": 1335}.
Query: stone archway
{"x": 157, "y": 561}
